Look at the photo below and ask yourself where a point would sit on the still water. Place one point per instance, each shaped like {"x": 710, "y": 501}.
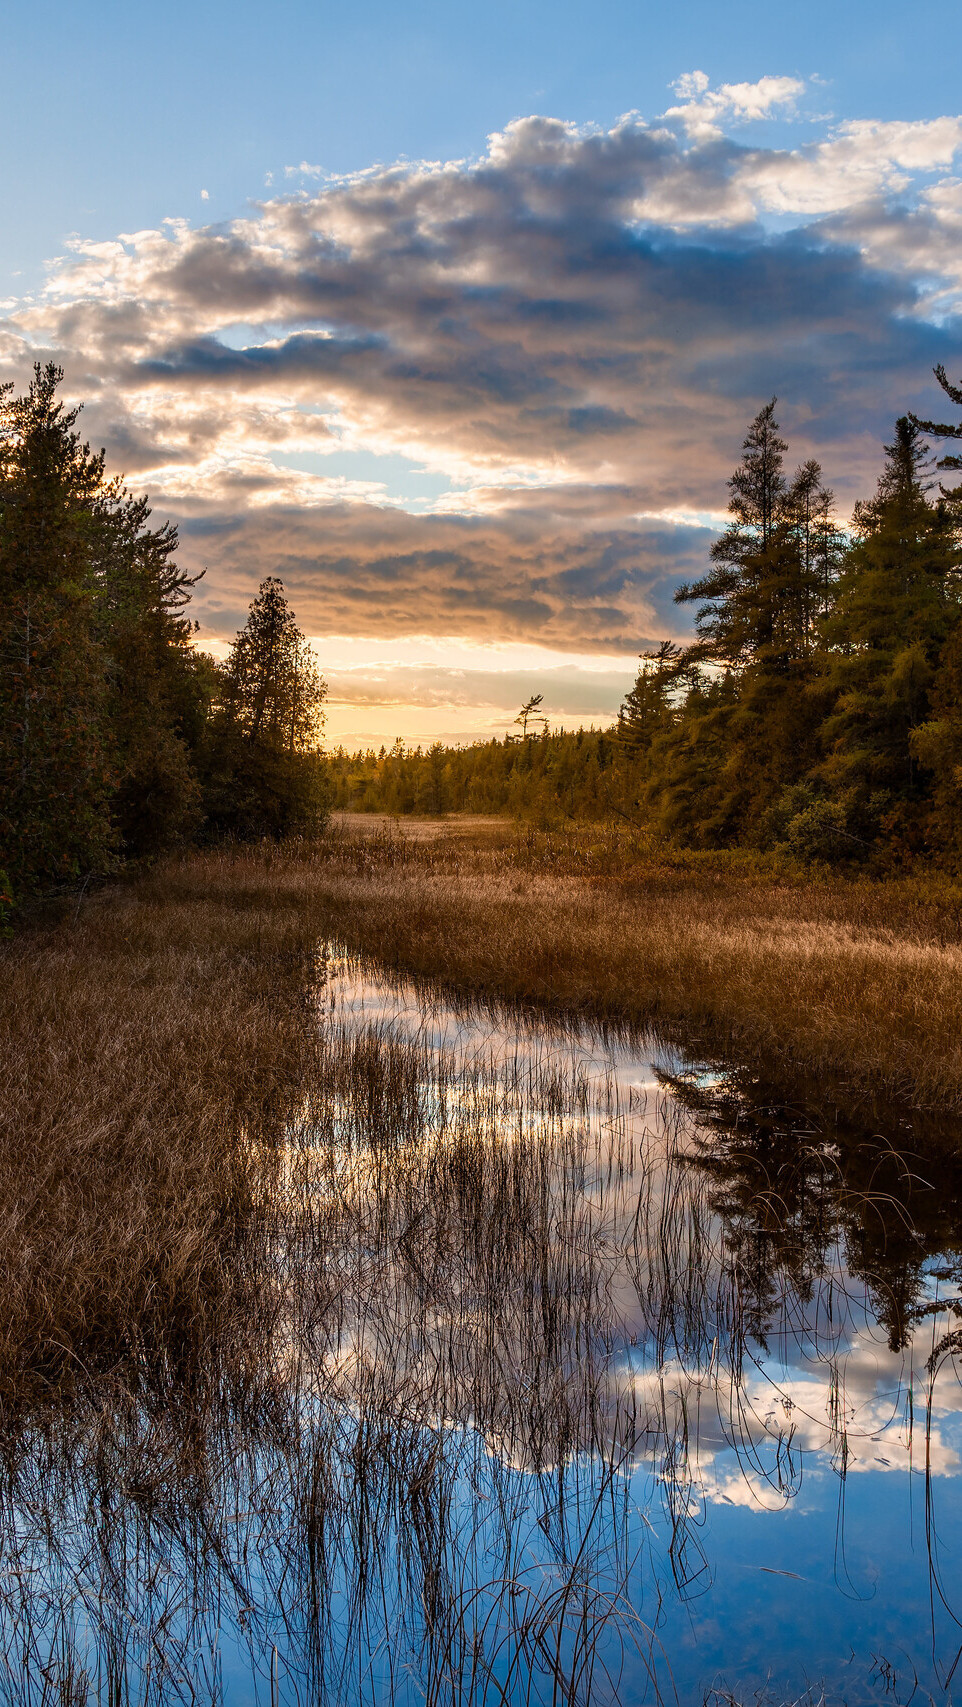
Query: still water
{"x": 577, "y": 1370}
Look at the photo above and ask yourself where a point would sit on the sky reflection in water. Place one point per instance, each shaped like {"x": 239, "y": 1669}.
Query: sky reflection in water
{"x": 678, "y": 1411}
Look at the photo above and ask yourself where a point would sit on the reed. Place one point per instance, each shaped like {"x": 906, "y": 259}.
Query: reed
{"x": 142, "y": 1038}
{"x": 856, "y": 983}
{"x": 314, "y": 1330}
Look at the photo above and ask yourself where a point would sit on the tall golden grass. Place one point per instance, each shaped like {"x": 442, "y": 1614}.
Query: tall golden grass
{"x": 143, "y": 1032}
{"x": 147, "y": 1027}
{"x": 856, "y": 982}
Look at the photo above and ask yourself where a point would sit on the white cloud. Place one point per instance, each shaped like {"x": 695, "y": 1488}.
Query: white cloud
{"x": 859, "y": 161}
{"x": 703, "y": 111}
{"x": 571, "y": 331}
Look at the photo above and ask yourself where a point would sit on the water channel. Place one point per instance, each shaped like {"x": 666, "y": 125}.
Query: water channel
{"x": 584, "y": 1372}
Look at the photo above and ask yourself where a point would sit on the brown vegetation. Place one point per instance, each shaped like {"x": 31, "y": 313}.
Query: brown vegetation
{"x": 857, "y": 981}
{"x": 143, "y": 1030}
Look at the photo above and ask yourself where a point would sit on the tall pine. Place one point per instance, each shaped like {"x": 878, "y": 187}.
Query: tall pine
{"x": 896, "y": 604}
{"x": 265, "y": 776}
{"x": 57, "y": 755}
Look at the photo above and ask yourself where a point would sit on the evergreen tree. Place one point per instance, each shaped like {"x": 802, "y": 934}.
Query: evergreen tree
{"x": 57, "y": 758}
{"x": 937, "y": 744}
{"x": 159, "y": 687}
{"x": 264, "y": 776}
{"x": 896, "y": 605}
{"x": 945, "y": 430}
{"x": 770, "y": 580}
{"x": 771, "y": 570}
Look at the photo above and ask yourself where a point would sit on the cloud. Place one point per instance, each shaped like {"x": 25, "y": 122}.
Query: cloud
{"x": 703, "y": 110}
{"x": 565, "y": 337}
{"x": 571, "y": 693}
{"x": 517, "y": 575}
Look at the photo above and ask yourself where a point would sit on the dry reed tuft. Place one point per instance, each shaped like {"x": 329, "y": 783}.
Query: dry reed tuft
{"x": 143, "y": 1034}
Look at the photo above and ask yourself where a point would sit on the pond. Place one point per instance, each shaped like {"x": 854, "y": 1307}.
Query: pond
{"x": 574, "y": 1370}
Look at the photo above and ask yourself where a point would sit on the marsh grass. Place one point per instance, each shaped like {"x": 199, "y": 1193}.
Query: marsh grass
{"x": 143, "y": 1037}
{"x": 855, "y": 983}
{"x": 314, "y": 1364}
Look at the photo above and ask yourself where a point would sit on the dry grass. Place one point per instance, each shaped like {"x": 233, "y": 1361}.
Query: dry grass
{"x": 142, "y": 1034}
{"x": 856, "y": 982}
{"x": 147, "y": 1028}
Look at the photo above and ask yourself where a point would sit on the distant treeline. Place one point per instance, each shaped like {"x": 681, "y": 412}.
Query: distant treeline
{"x": 575, "y": 774}
{"x": 818, "y": 708}
{"x": 118, "y": 736}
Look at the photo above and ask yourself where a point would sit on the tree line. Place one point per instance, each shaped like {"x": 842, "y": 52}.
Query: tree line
{"x": 543, "y": 776}
{"x": 817, "y": 709}
{"x": 818, "y": 706}
{"x": 119, "y": 736}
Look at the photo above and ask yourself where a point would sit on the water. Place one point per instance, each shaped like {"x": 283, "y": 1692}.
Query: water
{"x": 581, "y": 1372}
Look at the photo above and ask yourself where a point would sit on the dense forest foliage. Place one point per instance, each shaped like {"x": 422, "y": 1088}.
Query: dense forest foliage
{"x": 572, "y": 774}
{"x": 118, "y": 736}
{"x": 817, "y": 709}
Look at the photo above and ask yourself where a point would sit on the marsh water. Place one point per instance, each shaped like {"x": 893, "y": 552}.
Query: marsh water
{"x": 574, "y": 1370}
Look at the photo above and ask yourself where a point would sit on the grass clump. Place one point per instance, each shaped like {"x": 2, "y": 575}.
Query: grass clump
{"x": 146, "y": 1033}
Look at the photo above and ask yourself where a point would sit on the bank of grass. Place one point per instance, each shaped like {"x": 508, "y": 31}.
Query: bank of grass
{"x": 146, "y": 1031}
{"x": 852, "y": 980}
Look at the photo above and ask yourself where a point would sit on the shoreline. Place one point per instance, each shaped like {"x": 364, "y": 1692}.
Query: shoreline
{"x": 811, "y": 978}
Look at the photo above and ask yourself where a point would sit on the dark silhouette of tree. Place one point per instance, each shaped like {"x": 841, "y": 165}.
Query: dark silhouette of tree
{"x": 264, "y": 776}
{"x": 56, "y": 752}
{"x": 530, "y": 713}
{"x": 945, "y": 430}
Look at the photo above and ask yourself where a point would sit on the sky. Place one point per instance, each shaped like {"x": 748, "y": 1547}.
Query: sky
{"x": 455, "y": 317}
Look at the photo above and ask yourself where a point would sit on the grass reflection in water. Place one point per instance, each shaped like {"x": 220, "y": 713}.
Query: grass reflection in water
{"x": 535, "y": 1352}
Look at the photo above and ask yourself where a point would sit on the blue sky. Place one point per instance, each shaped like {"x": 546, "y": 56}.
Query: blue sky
{"x": 479, "y": 411}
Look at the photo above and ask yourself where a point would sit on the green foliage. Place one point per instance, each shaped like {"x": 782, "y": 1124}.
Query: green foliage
{"x": 117, "y": 736}
{"x": 544, "y": 778}
{"x": 264, "y": 774}
{"x": 895, "y": 607}
{"x": 57, "y": 756}
{"x": 800, "y": 716}
{"x": 815, "y": 717}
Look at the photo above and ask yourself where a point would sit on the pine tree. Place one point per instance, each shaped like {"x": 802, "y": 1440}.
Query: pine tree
{"x": 159, "y": 686}
{"x": 264, "y": 776}
{"x": 56, "y": 753}
{"x": 945, "y": 430}
{"x": 896, "y": 605}
{"x": 770, "y": 570}
{"x": 937, "y": 745}
{"x": 770, "y": 580}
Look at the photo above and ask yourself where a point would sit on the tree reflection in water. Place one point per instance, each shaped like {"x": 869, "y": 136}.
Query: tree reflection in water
{"x": 518, "y": 1326}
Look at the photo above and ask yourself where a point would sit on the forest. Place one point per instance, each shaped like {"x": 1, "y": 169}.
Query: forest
{"x": 816, "y": 710}
{"x": 119, "y": 737}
